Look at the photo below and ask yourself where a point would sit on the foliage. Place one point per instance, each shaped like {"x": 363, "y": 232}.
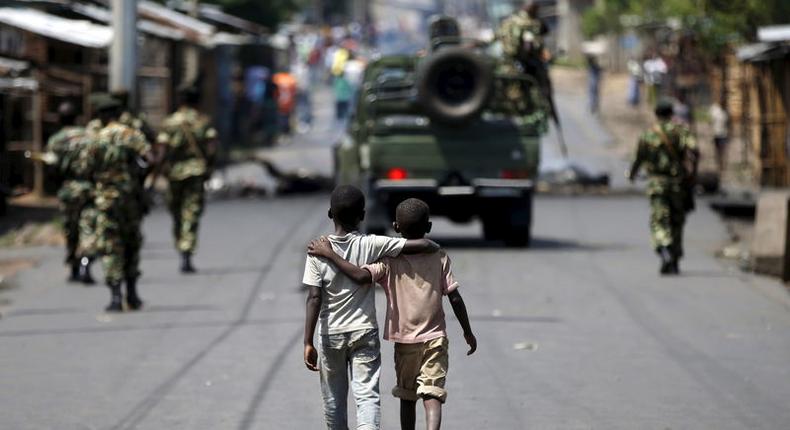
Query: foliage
{"x": 715, "y": 22}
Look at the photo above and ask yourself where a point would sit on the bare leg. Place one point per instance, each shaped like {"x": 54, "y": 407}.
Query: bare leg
{"x": 408, "y": 414}
{"x": 433, "y": 413}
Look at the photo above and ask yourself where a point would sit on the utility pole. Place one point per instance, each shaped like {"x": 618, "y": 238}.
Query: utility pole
{"x": 192, "y": 52}
{"x": 123, "y": 51}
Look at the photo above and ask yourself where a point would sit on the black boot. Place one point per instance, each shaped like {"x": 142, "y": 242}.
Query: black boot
{"x": 75, "y": 271}
{"x": 132, "y": 299}
{"x": 186, "y": 263}
{"x": 116, "y": 299}
{"x": 666, "y": 260}
{"x": 85, "y": 271}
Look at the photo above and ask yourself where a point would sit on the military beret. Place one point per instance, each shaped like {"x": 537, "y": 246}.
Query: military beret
{"x": 664, "y": 108}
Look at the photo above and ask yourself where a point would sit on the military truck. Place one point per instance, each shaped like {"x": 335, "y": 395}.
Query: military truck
{"x": 457, "y": 128}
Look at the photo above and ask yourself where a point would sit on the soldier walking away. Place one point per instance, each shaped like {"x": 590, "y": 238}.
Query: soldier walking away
{"x": 75, "y": 194}
{"x": 115, "y": 158}
{"x": 669, "y": 155}
{"x": 190, "y": 153}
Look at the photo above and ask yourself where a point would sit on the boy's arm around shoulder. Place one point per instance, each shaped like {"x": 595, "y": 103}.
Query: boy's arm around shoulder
{"x": 420, "y": 246}
{"x": 321, "y": 247}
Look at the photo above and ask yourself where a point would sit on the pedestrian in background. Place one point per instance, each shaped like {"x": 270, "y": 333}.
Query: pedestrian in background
{"x": 343, "y": 91}
{"x": 719, "y": 120}
{"x": 190, "y": 151}
{"x": 115, "y": 161}
{"x": 669, "y": 155}
{"x": 594, "y": 83}
{"x": 634, "y": 82}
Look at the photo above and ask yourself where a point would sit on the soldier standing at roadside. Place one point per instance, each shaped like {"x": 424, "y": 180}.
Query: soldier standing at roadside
{"x": 669, "y": 155}
{"x": 113, "y": 161}
{"x": 190, "y": 152}
{"x": 75, "y": 193}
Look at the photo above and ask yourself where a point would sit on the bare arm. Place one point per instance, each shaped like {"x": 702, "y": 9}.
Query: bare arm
{"x": 459, "y": 309}
{"x": 312, "y": 309}
{"x": 322, "y": 248}
{"x": 420, "y": 246}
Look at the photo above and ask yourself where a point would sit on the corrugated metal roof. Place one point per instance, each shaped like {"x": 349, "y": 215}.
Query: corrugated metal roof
{"x": 83, "y": 33}
{"x": 105, "y": 15}
{"x": 160, "y": 13}
{"x": 215, "y": 13}
{"x": 774, "y": 33}
{"x": 758, "y": 52}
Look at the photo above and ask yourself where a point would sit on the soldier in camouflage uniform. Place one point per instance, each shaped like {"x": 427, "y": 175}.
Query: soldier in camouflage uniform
{"x": 522, "y": 36}
{"x": 113, "y": 162}
{"x": 190, "y": 149}
{"x": 75, "y": 194}
{"x": 668, "y": 153}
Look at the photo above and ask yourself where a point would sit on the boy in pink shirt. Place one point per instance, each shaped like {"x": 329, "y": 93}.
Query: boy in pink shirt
{"x": 414, "y": 285}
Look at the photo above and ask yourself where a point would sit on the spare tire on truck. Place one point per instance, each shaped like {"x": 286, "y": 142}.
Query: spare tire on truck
{"x": 454, "y": 85}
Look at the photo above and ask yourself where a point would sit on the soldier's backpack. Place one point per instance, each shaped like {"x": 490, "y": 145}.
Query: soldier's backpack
{"x": 687, "y": 172}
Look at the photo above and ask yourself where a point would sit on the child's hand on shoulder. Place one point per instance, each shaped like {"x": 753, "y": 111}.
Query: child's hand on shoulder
{"x": 320, "y": 247}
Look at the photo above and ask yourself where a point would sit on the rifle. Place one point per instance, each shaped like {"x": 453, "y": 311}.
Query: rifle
{"x": 47, "y": 158}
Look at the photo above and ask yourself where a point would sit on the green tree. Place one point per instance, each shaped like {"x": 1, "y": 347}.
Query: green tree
{"x": 717, "y": 23}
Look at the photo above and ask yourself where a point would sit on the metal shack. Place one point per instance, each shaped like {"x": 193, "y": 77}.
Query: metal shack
{"x": 765, "y": 101}
{"x": 45, "y": 59}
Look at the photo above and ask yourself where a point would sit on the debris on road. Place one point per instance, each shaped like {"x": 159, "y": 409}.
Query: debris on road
{"x": 568, "y": 174}
{"x": 525, "y": 346}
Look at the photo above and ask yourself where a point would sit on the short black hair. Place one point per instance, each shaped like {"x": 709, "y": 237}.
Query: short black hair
{"x": 413, "y": 216}
{"x": 347, "y": 205}
{"x": 189, "y": 95}
{"x": 664, "y": 109}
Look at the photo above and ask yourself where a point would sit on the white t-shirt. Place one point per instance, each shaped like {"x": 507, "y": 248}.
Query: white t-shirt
{"x": 346, "y": 306}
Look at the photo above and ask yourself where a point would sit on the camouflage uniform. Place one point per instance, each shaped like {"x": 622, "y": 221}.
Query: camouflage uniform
{"x": 89, "y": 214}
{"x": 111, "y": 161}
{"x": 188, "y": 137}
{"x": 75, "y": 194}
{"x": 667, "y": 188}
{"x": 522, "y": 46}
{"x": 522, "y": 36}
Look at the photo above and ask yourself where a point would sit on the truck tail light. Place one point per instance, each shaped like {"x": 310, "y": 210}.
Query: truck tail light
{"x": 514, "y": 174}
{"x": 397, "y": 174}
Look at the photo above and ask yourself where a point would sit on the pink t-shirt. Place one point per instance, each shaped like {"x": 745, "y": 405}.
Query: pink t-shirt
{"x": 415, "y": 285}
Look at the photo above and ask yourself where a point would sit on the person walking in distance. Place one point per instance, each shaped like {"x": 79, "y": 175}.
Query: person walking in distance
{"x": 115, "y": 159}
{"x": 668, "y": 153}
{"x": 190, "y": 147}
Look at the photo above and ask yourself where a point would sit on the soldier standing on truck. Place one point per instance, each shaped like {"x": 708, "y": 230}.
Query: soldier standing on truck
{"x": 522, "y": 35}
{"x": 190, "y": 153}
{"x": 669, "y": 155}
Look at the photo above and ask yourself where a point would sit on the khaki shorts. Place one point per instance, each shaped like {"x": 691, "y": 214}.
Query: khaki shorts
{"x": 421, "y": 369}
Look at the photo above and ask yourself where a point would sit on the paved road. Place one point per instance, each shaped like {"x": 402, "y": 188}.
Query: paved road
{"x": 578, "y": 332}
